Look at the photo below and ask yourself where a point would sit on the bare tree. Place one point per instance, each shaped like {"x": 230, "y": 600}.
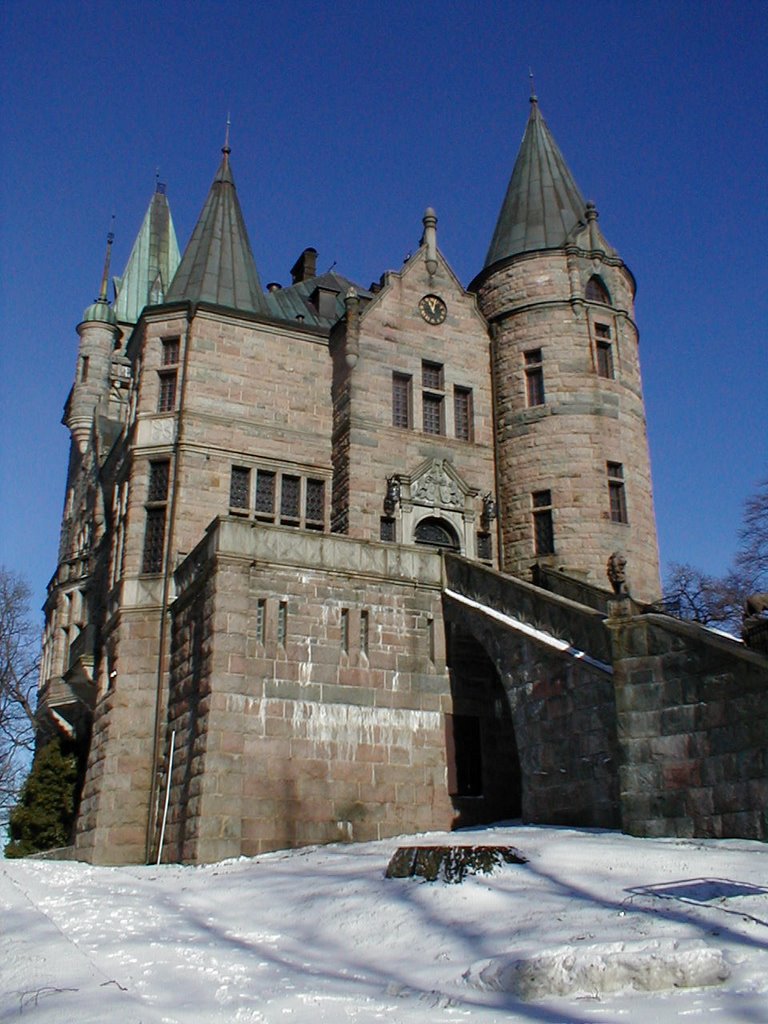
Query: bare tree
{"x": 19, "y": 644}
{"x": 719, "y": 600}
{"x": 751, "y": 562}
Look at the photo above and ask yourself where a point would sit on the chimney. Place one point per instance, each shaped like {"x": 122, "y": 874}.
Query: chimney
{"x": 305, "y": 266}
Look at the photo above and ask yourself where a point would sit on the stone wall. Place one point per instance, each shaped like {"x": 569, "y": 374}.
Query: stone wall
{"x": 301, "y": 724}
{"x": 561, "y": 700}
{"x": 692, "y": 711}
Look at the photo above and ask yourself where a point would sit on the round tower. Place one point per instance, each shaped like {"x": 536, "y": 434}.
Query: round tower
{"x": 573, "y": 470}
{"x": 98, "y": 332}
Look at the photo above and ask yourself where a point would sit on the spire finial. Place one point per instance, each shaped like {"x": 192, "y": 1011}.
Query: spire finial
{"x": 225, "y": 148}
{"x": 108, "y": 256}
{"x": 534, "y": 97}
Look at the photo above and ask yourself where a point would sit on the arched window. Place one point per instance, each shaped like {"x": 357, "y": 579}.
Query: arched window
{"x": 596, "y": 291}
{"x": 437, "y": 533}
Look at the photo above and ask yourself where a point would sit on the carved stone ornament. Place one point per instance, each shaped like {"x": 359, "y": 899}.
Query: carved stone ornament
{"x": 617, "y": 573}
{"x": 436, "y": 487}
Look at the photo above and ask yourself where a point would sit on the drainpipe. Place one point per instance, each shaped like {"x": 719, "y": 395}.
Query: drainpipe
{"x": 167, "y": 579}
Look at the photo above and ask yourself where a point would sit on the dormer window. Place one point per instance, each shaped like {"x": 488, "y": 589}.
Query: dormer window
{"x": 324, "y": 301}
{"x": 596, "y": 291}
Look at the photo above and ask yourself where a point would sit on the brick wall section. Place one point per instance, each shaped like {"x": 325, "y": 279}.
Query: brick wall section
{"x": 536, "y": 302}
{"x": 693, "y": 729}
{"x": 299, "y": 741}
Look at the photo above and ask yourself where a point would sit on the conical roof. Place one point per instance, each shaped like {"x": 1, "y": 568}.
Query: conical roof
{"x": 543, "y": 203}
{"x": 217, "y": 265}
{"x": 153, "y": 261}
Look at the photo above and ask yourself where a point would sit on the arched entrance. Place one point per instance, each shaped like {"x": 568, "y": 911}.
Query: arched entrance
{"x": 437, "y": 533}
{"x": 484, "y": 776}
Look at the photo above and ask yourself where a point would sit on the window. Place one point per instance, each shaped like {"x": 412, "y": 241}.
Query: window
{"x": 240, "y": 488}
{"x": 543, "y": 530}
{"x": 616, "y": 493}
{"x": 534, "y": 377}
{"x": 364, "y": 632}
{"x": 159, "y": 473}
{"x": 401, "y": 400}
{"x": 154, "y": 538}
{"x": 282, "y": 623}
{"x": 84, "y": 362}
{"x": 344, "y": 625}
{"x": 289, "y": 499}
{"x": 432, "y": 404}
{"x": 170, "y": 354}
{"x": 265, "y": 494}
{"x": 261, "y": 616}
{"x": 484, "y": 547}
{"x": 604, "y": 351}
{"x": 462, "y": 413}
{"x": 596, "y": 291}
{"x": 166, "y": 400}
{"x": 436, "y": 533}
{"x": 387, "y": 529}
{"x": 154, "y": 534}
{"x": 433, "y": 414}
{"x": 432, "y": 375}
{"x": 314, "y": 505}
{"x": 431, "y": 638}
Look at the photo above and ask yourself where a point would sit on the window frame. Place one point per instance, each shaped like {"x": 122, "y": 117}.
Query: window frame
{"x": 543, "y": 523}
{"x": 535, "y": 392}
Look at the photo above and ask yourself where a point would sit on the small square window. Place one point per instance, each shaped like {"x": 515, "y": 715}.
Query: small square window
{"x": 432, "y": 375}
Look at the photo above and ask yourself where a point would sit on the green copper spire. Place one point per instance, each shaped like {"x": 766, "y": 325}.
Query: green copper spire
{"x": 217, "y": 265}
{"x": 153, "y": 261}
{"x": 543, "y": 203}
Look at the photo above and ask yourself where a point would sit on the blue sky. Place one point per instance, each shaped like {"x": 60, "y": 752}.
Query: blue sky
{"x": 348, "y": 119}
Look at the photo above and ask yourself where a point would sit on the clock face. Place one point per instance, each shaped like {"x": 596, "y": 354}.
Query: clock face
{"x": 433, "y": 309}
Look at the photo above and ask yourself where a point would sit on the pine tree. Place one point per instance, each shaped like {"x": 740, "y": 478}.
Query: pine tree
{"x": 43, "y": 817}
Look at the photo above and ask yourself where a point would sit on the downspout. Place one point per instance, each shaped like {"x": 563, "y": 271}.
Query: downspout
{"x": 167, "y": 579}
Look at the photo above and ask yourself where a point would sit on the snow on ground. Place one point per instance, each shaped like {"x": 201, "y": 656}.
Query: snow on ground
{"x": 596, "y": 927}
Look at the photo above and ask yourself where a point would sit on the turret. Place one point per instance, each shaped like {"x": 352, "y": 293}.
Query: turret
{"x": 98, "y": 332}
{"x": 572, "y": 455}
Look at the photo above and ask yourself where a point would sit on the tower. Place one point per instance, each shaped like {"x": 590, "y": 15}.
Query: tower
{"x": 98, "y": 332}
{"x": 573, "y": 472}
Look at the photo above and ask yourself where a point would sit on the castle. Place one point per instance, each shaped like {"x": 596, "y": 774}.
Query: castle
{"x": 333, "y": 558}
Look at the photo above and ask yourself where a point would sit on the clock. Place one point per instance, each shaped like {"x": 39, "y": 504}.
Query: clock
{"x": 433, "y": 309}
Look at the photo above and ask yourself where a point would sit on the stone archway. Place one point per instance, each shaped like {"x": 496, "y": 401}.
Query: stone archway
{"x": 484, "y": 774}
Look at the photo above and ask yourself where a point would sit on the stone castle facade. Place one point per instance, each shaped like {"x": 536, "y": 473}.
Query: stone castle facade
{"x": 332, "y": 558}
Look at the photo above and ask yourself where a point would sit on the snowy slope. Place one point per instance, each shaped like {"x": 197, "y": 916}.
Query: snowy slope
{"x": 596, "y": 927}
